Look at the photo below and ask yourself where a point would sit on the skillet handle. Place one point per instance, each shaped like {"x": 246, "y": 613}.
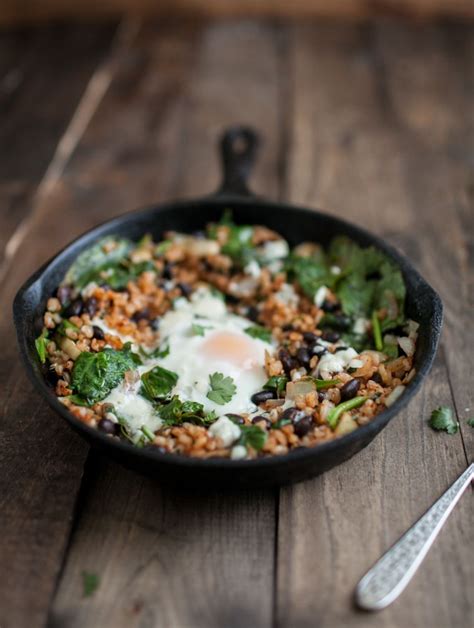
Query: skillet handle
{"x": 239, "y": 147}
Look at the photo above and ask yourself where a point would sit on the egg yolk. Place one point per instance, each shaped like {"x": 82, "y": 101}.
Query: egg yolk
{"x": 233, "y": 348}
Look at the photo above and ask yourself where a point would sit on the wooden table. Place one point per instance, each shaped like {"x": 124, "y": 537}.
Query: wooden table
{"x": 371, "y": 121}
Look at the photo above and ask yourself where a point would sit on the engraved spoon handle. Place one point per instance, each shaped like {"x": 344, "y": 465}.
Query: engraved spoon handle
{"x": 382, "y": 584}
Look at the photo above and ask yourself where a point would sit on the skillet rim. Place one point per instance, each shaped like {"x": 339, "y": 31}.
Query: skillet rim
{"x": 21, "y": 311}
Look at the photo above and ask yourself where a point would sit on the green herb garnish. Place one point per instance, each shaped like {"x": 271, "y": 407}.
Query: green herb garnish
{"x": 442, "y": 419}
{"x": 103, "y": 255}
{"x": 278, "y": 383}
{"x": 257, "y": 331}
{"x": 90, "y": 583}
{"x": 376, "y": 331}
{"x": 335, "y": 413}
{"x": 95, "y": 374}
{"x": 222, "y": 389}
{"x": 40, "y": 344}
{"x": 280, "y": 423}
{"x": 147, "y": 433}
{"x": 198, "y": 330}
{"x": 158, "y": 383}
{"x": 470, "y": 422}
{"x": 321, "y": 384}
{"x": 176, "y": 412}
{"x": 159, "y": 352}
{"x": 252, "y": 436}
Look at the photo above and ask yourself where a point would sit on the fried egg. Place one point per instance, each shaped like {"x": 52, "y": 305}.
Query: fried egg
{"x": 204, "y": 338}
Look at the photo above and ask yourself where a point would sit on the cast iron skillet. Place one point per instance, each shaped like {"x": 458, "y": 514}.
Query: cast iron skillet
{"x": 297, "y": 224}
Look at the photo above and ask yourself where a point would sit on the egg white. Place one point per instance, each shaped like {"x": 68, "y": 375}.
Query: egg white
{"x": 192, "y": 360}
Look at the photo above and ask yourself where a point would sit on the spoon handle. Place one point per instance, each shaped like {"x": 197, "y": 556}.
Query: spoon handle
{"x": 382, "y": 584}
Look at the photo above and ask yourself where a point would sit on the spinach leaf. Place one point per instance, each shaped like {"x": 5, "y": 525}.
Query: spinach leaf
{"x": 278, "y": 383}
{"x": 176, "y": 412}
{"x": 158, "y": 383}
{"x": 91, "y": 261}
{"x": 95, "y": 374}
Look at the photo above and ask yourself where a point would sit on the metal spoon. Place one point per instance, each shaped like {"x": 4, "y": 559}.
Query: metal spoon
{"x": 382, "y": 584}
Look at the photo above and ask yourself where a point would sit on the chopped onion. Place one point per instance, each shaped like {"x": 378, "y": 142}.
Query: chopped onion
{"x": 301, "y": 387}
{"x": 407, "y": 345}
{"x": 394, "y": 395}
{"x": 69, "y": 347}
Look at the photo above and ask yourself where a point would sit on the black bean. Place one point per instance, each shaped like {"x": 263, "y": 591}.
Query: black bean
{"x": 329, "y": 306}
{"x": 91, "y": 306}
{"x": 264, "y": 419}
{"x": 377, "y": 378}
{"x": 252, "y": 313}
{"x": 233, "y": 300}
{"x": 50, "y": 376}
{"x": 309, "y": 337}
{"x": 109, "y": 427}
{"x": 303, "y": 426}
{"x": 350, "y": 389}
{"x": 331, "y": 336}
{"x": 287, "y": 327}
{"x": 167, "y": 271}
{"x": 303, "y": 356}
{"x": 64, "y": 294}
{"x": 236, "y": 418}
{"x": 98, "y": 333}
{"x": 74, "y": 309}
{"x": 263, "y": 395}
{"x": 141, "y": 315}
{"x": 155, "y": 324}
{"x": 340, "y": 349}
{"x": 290, "y": 413}
{"x": 289, "y": 363}
{"x": 185, "y": 289}
{"x": 322, "y": 396}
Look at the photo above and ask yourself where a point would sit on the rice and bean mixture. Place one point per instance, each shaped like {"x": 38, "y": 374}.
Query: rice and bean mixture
{"x": 227, "y": 343}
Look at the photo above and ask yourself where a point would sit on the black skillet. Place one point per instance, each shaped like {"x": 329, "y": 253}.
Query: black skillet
{"x": 296, "y": 224}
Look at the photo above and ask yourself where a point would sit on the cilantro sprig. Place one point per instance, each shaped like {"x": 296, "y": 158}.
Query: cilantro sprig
{"x": 442, "y": 419}
{"x": 222, "y": 388}
{"x": 257, "y": 331}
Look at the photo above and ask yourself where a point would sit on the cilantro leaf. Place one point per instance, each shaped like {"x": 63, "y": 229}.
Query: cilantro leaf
{"x": 310, "y": 272}
{"x": 442, "y": 419}
{"x": 252, "y": 436}
{"x": 198, "y": 330}
{"x": 95, "y": 374}
{"x": 90, "y": 583}
{"x": 158, "y": 382}
{"x": 222, "y": 389}
{"x": 40, "y": 344}
{"x": 257, "y": 331}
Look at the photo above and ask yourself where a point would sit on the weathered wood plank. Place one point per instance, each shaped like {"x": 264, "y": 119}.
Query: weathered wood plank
{"x": 166, "y": 558}
{"x": 437, "y": 66}
{"x": 43, "y": 74}
{"x": 352, "y": 155}
{"x": 41, "y": 462}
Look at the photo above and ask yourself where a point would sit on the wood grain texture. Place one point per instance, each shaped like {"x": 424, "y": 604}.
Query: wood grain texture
{"x": 43, "y": 74}
{"x": 353, "y": 154}
{"x": 40, "y": 10}
{"x": 167, "y": 558}
{"x": 41, "y": 461}
{"x": 370, "y": 122}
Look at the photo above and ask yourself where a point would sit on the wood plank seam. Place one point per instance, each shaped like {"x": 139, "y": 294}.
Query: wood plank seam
{"x": 93, "y": 95}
